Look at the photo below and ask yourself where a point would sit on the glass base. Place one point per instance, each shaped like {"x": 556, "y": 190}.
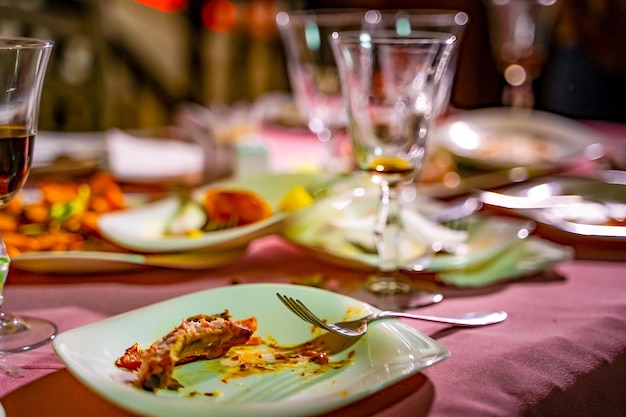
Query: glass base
{"x": 394, "y": 291}
{"x": 18, "y": 334}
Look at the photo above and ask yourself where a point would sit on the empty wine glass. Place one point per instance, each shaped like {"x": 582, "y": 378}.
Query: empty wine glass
{"x": 313, "y": 75}
{"x": 390, "y": 84}
{"x": 23, "y": 63}
{"x": 313, "y": 71}
{"x": 519, "y": 33}
{"x": 405, "y": 21}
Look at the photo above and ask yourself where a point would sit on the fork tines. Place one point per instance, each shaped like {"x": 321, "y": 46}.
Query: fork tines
{"x": 302, "y": 311}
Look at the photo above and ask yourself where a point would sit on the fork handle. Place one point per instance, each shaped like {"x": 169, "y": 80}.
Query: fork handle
{"x": 466, "y": 320}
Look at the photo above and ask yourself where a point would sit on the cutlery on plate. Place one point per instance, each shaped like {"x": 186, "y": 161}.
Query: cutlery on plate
{"x": 357, "y": 328}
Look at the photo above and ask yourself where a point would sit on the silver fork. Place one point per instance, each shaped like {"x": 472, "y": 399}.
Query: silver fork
{"x": 357, "y": 328}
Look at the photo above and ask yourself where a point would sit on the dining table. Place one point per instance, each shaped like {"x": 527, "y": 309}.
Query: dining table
{"x": 561, "y": 351}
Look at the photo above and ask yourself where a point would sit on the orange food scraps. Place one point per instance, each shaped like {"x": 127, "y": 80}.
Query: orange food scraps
{"x": 240, "y": 207}
{"x": 64, "y": 218}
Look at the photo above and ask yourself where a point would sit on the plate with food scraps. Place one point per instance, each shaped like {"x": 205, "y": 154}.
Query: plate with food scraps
{"x": 472, "y": 250}
{"x": 581, "y": 206}
{"x": 503, "y": 138}
{"x": 256, "y": 378}
{"x": 222, "y": 215}
{"x": 101, "y": 262}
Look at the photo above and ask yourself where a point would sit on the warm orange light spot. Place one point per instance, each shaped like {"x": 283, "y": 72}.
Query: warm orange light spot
{"x": 219, "y": 15}
{"x": 260, "y": 18}
{"x": 165, "y": 5}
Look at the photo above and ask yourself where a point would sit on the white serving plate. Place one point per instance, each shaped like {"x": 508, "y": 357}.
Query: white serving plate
{"x": 142, "y": 228}
{"x": 502, "y": 138}
{"x": 392, "y": 350}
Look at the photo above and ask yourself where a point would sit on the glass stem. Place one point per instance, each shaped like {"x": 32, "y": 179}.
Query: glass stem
{"x": 388, "y": 228}
{"x": 8, "y": 323}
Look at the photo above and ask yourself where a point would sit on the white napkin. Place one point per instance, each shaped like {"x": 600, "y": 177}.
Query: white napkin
{"x": 133, "y": 158}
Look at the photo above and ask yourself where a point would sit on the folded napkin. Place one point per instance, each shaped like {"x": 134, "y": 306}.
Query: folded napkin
{"x": 79, "y": 146}
{"x": 139, "y": 158}
{"x": 27, "y": 366}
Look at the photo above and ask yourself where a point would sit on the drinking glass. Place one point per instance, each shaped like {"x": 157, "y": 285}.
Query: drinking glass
{"x": 405, "y": 21}
{"x": 519, "y": 34}
{"x": 313, "y": 75}
{"x": 23, "y": 63}
{"x": 390, "y": 84}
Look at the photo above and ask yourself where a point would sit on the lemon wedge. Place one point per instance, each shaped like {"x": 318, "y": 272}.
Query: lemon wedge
{"x": 297, "y": 198}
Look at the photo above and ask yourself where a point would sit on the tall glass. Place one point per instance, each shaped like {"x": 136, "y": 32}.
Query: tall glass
{"x": 519, "y": 33}
{"x": 391, "y": 84}
{"x": 313, "y": 72}
{"x": 23, "y": 63}
{"x": 313, "y": 75}
{"x": 405, "y": 21}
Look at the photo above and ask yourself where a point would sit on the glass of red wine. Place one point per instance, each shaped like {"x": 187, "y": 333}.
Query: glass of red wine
{"x": 23, "y": 64}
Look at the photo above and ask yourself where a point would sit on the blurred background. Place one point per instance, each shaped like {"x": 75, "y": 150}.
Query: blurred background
{"x": 130, "y": 63}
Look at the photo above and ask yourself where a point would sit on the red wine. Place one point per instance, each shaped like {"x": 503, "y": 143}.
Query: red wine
{"x": 16, "y": 154}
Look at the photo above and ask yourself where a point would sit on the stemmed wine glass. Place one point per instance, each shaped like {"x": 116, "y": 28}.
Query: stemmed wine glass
{"x": 313, "y": 75}
{"x": 23, "y": 63}
{"x": 313, "y": 71}
{"x": 391, "y": 84}
{"x": 405, "y": 21}
{"x": 519, "y": 33}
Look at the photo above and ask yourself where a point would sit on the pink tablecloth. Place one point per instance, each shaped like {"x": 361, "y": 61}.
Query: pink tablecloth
{"x": 561, "y": 352}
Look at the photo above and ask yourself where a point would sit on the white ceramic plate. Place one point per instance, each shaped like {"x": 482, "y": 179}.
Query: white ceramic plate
{"x": 597, "y": 215}
{"x": 94, "y": 262}
{"x": 392, "y": 350}
{"x": 507, "y": 138}
{"x": 142, "y": 228}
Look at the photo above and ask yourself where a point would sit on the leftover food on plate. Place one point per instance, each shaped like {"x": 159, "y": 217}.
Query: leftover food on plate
{"x": 218, "y": 209}
{"x": 240, "y": 207}
{"x": 220, "y": 215}
{"x": 61, "y": 216}
{"x": 515, "y": 148}
{"x": 217, "y": 336}
{"x": 198, "y": 337}
{"x": 505, "y": 138}
{"x": 472, "y": 250}
{"x": 272, "y": 378}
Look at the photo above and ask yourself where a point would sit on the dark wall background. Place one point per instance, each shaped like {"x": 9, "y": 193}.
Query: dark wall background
{"x": 477, "y": 81}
